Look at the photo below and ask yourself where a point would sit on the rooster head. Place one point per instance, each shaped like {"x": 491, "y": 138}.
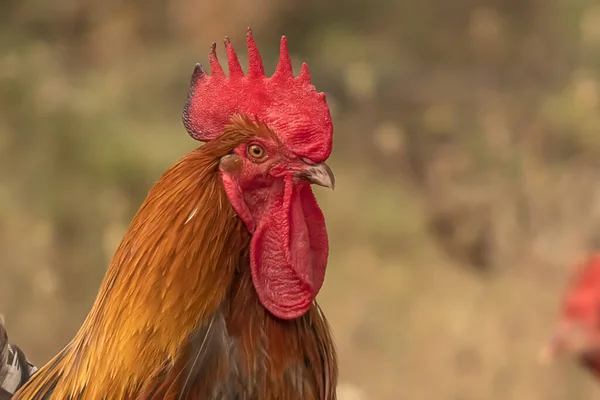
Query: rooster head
{"x": 267, "y": 179}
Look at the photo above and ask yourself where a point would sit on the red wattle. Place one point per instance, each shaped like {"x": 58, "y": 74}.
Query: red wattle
{"x": 289, "y": 250}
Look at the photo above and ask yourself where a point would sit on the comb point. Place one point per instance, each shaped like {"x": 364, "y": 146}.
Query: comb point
{"x": 255, "y": 65}
{"x": 215, "y": 67}
{"x": 197, "y": 74}
{"x": 235, "y": 69}
{"x": 284, "y": 66}
{"x": 304, "y": 75}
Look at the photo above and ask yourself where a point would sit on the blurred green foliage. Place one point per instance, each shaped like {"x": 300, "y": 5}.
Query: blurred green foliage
{"x": 466, "y": 154}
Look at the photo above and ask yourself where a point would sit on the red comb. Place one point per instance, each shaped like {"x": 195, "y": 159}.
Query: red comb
{"x": 290, "y": 105}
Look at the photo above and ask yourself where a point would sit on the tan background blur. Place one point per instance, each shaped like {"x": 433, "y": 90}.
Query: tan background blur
{"x": 466, "y": 155}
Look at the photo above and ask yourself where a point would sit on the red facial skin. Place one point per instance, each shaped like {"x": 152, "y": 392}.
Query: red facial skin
{"x": 289, "y": 247}
{"x": 578, "y": 331}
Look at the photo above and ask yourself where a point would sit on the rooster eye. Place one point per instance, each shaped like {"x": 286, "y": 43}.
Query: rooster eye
{"x": 255, "y": 151}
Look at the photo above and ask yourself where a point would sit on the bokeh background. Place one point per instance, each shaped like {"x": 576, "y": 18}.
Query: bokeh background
{"x": 466, "y": 154}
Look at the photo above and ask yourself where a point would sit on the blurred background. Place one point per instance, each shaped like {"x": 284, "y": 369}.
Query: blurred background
{"x": 466, "y": 154}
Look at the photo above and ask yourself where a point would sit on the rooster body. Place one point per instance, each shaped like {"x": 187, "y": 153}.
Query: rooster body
{"x": 210, "y": 295}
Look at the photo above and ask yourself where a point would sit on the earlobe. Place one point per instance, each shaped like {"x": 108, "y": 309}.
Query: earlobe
{"x": 231, "y": 163}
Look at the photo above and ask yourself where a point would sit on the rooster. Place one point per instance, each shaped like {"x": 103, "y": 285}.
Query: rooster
{"x": 578, "y": 330}
{"x": 211, "y": 293}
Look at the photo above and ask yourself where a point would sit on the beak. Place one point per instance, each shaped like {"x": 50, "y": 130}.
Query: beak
{"x": 319, "y": 174}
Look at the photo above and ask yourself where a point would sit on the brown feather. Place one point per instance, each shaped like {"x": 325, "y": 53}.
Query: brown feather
{"x": 177, "y": 316}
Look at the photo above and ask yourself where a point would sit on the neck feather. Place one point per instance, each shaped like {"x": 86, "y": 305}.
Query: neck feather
{"x": 173, "y": 268}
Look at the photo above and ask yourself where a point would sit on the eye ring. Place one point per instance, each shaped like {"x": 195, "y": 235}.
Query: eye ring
{"x": 256, "y": 151}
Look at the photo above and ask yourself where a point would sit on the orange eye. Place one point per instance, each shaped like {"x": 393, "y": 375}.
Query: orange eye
{"x": 255, "y": 151}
